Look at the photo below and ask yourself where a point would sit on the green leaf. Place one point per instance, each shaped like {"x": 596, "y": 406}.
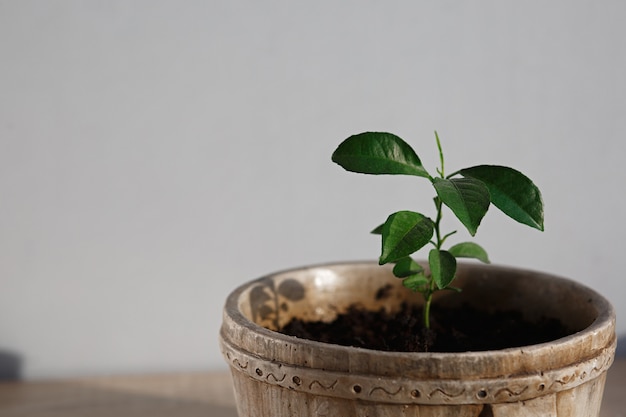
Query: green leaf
{"x": 512, "y": 192}
{"x": 442, "y": 267}
{"x": 469, "y": 250}
{"x": 415, "y": 282}
{"x": 468, "y": 198}
{"x": 378, "y": 230}
{"x": 406, "y": 267}
{"x": 404, "y": 232}
{"x": 378, "y": 153}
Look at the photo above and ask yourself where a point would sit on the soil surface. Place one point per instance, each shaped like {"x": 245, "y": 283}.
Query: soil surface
{"x": 452, "y": 330}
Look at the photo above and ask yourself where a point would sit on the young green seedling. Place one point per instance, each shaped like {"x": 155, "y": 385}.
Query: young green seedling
{"x": 467, "y": 192}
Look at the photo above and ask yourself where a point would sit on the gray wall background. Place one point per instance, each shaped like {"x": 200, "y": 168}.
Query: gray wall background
{"x": 156, "y": 154}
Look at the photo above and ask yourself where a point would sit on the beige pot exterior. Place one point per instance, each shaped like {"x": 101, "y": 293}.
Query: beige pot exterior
{"x": 283, "y": 376}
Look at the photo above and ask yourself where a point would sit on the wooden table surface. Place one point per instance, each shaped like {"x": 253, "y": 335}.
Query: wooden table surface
{"x": 181, "y": 395}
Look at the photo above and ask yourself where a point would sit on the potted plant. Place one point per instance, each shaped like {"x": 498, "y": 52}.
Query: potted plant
{"x": 439, "y": 337}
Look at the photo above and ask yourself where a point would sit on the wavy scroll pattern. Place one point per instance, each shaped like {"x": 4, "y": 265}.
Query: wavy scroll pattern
{"x": 383, "y": 389}
{"x": 510, "y": 392}
{"x": 447, "y": 394}
{"x": 276, "y": 379}
{"x": 408, "y": 391}
{"x": 315, "y": 384}
{"x": 236, "y": 362}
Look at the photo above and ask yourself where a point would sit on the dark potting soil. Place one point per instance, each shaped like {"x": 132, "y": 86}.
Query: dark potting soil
{"x": 460, "y": 329}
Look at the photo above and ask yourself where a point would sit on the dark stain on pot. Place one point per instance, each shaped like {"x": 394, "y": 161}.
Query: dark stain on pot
{"x": 383, "y": 292}
{"x": 292, "y": 290}
{"x": 486, "y": 411}
{"x": 259, "y": 298}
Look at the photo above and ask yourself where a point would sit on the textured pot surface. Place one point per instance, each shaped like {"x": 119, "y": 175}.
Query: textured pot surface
{"x": 284, "y": 376}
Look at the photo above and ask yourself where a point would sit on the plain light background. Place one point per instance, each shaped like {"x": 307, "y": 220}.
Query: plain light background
{"x": 156, "y": 154}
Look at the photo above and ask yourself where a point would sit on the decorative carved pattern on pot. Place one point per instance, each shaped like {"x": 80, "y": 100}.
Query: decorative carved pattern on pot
{"x": 408, "y": 391}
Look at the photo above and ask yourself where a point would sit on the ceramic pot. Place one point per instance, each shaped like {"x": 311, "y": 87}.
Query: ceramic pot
{"x": 284, "y": 376}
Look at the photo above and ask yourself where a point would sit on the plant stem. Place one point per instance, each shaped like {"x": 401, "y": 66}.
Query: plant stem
{"x": 441, "y": 173}
{"x": 426, "y": 309}
{"x": 428, "y": 295}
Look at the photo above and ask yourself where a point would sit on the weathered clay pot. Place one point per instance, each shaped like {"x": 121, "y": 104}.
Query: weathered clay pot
{"x": 282, "y": 376}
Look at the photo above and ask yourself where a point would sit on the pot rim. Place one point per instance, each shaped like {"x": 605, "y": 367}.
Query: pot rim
{"x": 590, "y": 341}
